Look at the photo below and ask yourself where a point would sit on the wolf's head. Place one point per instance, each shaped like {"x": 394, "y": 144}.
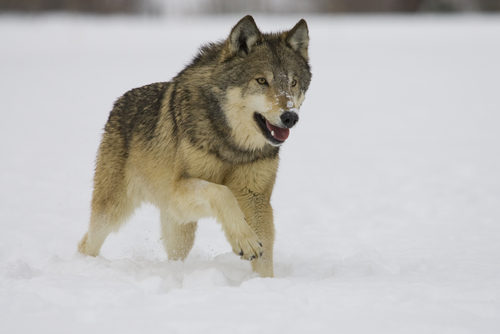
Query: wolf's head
{"x": 263, "y": 79}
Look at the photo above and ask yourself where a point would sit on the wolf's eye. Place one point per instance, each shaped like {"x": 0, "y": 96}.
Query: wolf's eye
{"x": 294, "y": 83}
{"x": 262, "y": 81}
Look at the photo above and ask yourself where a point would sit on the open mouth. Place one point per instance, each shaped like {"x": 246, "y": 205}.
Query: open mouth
{"x": 274, "y": 134}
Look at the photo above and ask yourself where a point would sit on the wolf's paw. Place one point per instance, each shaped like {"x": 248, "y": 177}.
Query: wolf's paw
{"x": 244, "y": 241}
{"x": 83, "y": 247}
{"x": 249, "y": 250}
{"x": 245, "y": 244}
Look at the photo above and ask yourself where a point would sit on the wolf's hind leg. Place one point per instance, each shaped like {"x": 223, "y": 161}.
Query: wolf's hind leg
{"x": 112, "y": 204}
{"x": 102, "y": 223}
{"x": 92, "y": 241}
{"x": 178, "y": 238}
{"x": 109, "y": 211}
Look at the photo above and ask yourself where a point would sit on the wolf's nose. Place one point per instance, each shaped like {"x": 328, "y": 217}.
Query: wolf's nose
{"x": 289, "y": 118}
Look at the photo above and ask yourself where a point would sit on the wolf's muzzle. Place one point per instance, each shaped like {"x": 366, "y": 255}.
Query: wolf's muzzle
{"x": 289, "y": 119}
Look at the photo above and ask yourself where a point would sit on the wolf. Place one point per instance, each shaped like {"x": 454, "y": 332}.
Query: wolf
{"x": 205, "y": 144}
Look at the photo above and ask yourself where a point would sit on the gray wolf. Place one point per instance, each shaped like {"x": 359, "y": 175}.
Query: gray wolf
{"x": 205, "y": 144}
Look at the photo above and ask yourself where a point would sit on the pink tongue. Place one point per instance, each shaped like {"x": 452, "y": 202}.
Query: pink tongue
{"x": 279, "y": 133}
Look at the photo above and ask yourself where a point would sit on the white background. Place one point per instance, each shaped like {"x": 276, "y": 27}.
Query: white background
{"x": 387, "y": 203}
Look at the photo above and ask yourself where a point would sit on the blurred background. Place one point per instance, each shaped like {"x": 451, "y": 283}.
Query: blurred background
{"x": 386, "y": 203}
{"x": 190, "y": 7}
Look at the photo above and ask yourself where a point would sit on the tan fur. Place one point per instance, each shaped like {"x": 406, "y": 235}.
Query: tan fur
{"x": 169, "y": 144}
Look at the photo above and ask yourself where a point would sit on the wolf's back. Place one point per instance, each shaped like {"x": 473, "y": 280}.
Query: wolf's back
{"x": 137, "y": 113}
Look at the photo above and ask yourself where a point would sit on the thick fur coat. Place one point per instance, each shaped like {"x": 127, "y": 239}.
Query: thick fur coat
{"x": 205, "y": 144}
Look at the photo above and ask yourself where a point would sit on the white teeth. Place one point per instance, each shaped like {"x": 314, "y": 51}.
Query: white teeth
{"x": 272, "y": 133}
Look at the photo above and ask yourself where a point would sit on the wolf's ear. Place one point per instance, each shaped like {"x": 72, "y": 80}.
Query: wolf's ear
{"x": 298, "y": 38}
{"x": 243, "y": 38}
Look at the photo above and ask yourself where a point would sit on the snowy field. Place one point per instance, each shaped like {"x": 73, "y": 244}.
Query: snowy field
{"x": 387, "y": 204}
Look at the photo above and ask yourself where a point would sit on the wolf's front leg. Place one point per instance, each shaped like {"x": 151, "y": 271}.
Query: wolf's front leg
{"x": 259, "y": 215}
{"x": 193, "y": 199}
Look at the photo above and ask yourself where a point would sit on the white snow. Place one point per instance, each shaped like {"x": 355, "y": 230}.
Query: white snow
{"x": 387, "y": 204}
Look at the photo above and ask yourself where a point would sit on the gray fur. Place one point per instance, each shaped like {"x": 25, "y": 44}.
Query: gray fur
{"x": 154, "y": 132}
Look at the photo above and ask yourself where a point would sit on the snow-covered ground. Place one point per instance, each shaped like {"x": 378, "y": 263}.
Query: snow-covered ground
{"x": 387, "y": 204}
